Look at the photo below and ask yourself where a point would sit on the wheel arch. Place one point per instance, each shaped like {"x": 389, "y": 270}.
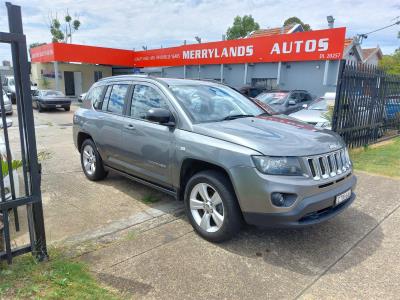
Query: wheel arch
{"x": 192, "y": 166}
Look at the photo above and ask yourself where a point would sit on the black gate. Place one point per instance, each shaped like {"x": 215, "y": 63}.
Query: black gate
{"x": 28, "y": 163}
{"x": 367, "y": 105}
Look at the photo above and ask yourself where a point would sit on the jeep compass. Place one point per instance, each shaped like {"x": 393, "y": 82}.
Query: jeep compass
{"x": 208, "y": 145}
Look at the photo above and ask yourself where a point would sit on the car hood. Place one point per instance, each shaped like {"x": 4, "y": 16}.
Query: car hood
{"x": 273, "y": 135}
{"x": 310, "y": 116}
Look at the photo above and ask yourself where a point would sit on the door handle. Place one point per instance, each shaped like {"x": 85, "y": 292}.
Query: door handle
{"x": 130, "y": 127}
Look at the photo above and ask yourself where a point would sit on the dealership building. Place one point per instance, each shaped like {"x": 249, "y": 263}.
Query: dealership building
{"x": 284, "y": 58}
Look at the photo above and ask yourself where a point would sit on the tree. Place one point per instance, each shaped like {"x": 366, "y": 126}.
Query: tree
{"x": 296, "y": 20}
{"x": 391, "y": 63}
{"x": 242, "y": 26}
{"x": 63, "y": 32}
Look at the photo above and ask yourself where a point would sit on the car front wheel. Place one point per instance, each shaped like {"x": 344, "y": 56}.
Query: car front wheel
{"x": 91, "y": 162}
{"x": 211, "y": 206}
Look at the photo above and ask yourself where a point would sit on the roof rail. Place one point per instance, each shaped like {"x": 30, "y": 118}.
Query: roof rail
{"x": 125, "y": 76}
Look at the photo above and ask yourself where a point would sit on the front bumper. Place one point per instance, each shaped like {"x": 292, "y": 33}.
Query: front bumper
{"x": 312, "y": 210}
{"x": 315, "y": 200}
{"x": 8, "y": 108}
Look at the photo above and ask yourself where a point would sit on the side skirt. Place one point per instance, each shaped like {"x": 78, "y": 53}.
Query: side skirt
{"x": 170, "y": 192}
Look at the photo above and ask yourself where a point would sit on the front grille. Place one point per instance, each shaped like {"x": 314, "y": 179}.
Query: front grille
{"x": 328, "y": 165}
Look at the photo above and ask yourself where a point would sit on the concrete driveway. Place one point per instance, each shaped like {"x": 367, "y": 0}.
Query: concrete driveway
{"x": 72, "y": 204}
{"x": 353, "y": 256}
{"x": 155, "y": 254}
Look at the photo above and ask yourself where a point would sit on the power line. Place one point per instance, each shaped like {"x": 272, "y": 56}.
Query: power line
{"x": 365, "y": 35}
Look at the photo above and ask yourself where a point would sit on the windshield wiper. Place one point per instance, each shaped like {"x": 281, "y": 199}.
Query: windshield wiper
{"x": 233, "y": 117}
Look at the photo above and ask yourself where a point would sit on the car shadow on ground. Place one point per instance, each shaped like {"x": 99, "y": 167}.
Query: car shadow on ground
{"x": 136, "y": 191}
{"x": 309, "y": 250}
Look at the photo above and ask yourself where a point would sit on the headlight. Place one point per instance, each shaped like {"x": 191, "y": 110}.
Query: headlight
{"x": 347, "y": 155}
{"x": 278, "y": 165}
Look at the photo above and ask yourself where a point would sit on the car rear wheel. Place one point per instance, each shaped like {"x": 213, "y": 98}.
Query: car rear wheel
{"x": 211, "y": 206}
{"x": 91, "y": 162}
{"x": 67, "y": 108}
{"x": 39, "y": 107}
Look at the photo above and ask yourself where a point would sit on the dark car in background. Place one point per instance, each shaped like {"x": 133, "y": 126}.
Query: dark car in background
{"x": 251, "y": 91}
{"x": 50, "y": 99}
{"x": 286, "y": 102}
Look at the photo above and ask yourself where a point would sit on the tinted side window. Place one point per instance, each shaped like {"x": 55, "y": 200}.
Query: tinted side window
{"x": 117, "y": 97}
{"x": 307, "y": 97}
{"x": 95, "y": 96}
{"x": 144, "y": 98}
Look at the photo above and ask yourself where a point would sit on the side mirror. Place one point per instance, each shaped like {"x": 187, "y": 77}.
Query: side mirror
{"x": 305, "y": 105}
{"x": 292, "y": 102}
{"x": 160, "y": 115}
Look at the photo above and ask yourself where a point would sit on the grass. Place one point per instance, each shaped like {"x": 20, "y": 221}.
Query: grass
{"x": 58, "y": 278}
{"x": 150, "y": 198}
{"x": 382, "y": 159}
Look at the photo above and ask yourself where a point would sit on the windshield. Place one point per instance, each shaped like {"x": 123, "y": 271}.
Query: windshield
{"x": 206, "y": 103}
{"x": 52, "y": 93}
{"x": 272, "y": 98}
{"x": 319, "y": 104}
{"x": 11, "y": 81}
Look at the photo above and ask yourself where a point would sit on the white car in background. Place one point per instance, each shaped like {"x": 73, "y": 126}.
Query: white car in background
{"x": 6, "y": 179}
{"x": 7, "y": 104}
{"x": 316, "y": 113}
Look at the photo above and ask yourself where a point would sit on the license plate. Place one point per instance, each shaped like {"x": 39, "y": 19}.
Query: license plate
{"x": 58, "y": 105}
{"x": 342, "y": 197}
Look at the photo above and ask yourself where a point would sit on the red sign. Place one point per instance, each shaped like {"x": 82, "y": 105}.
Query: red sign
{"x": 81, "y": 53}
{"x": 301, "y": 46}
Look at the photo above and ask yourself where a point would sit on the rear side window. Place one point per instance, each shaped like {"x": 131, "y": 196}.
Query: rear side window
{"x": 144, "y": 98}
{"x": 117, "y": 97}
{"x": 94, "y": 96}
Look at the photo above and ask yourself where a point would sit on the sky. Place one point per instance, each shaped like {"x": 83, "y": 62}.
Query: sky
{"x": 131, "y": 24}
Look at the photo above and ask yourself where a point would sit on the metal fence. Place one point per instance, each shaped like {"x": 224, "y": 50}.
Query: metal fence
{"x": 367, "y": 105}
{"x": 28, "y": 165}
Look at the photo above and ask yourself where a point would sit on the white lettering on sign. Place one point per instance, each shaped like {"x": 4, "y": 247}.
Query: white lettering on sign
{"x": 237, "y": 51}
{"x": 297, "y": 46}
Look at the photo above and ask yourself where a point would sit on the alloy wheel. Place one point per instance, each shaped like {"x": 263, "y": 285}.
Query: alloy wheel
{"x": 206, "y": 207}
{"x": 89, "y": 159}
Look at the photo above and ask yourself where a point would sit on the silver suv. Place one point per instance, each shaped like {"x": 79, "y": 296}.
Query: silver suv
{"x": 208, "y": 145}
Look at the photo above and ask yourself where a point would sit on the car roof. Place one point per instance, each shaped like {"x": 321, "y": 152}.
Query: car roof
{"x": 162, "y": 80}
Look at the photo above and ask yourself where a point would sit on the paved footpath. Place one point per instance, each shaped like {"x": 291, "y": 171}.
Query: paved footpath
{"x": 354, "y": 256}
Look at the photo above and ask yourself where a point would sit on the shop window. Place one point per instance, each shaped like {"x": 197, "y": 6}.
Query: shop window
{"x": 98, "y": 75}
{"x": 265, "y": 83}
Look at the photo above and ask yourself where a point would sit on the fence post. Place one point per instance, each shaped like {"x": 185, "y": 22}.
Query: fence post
{"x": 25, "y": 116}
{"x": 336, "y": 108}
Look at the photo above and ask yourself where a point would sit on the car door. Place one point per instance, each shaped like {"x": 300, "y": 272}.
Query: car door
{"x": 148, "y": 146}
{"x": 109, "y": 123}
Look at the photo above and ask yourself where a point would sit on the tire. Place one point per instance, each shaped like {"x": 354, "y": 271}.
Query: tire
{"x": 39, "y": 107}
{"x": 93, "y": 171}
{"x": 67, "y": 108}
{"x": 232, "y": 220}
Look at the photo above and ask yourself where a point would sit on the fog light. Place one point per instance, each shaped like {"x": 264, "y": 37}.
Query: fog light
{"x": 283, "y": 199}
{"x": 277, "y": 199}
